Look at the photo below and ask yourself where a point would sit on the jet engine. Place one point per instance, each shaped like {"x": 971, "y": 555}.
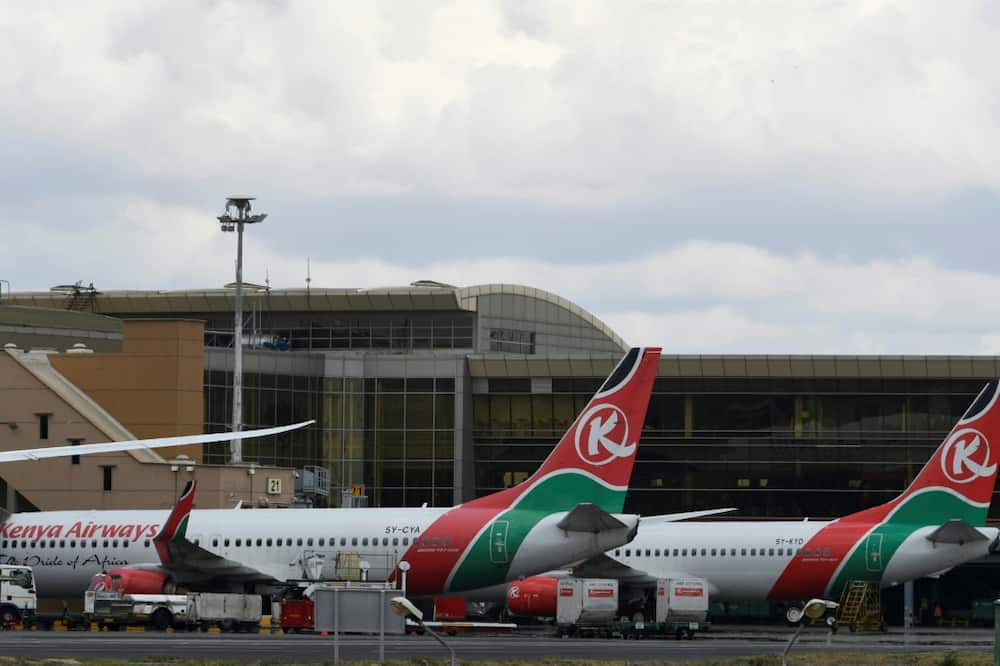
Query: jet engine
{"x": 533, "y": 597}
{"x": 132, "y": 581}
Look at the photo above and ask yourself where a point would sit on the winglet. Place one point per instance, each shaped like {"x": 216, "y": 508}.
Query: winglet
{"x": 176, "y": 524}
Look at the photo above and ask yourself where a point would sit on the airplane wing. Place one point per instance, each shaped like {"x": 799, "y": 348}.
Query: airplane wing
{"x": 190, "y": 564}
{"x": 129, "y": 445}
{"x": 686, "y": 515}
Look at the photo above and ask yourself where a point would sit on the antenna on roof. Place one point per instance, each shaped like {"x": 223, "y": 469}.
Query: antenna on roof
{"x": 308, "y": 275}
{"x": 267, "y": 279}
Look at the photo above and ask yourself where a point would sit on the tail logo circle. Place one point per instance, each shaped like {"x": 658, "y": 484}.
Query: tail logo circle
{"x": 602, "y": 435}
{"x": 966, "y": 456}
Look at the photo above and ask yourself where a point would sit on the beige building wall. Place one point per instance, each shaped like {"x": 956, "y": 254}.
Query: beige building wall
{"x": 155, "y": 384}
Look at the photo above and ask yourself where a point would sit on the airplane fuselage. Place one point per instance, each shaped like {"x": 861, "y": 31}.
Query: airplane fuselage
{"x": 785, "y": 560}
{"x": 66, "y": 548}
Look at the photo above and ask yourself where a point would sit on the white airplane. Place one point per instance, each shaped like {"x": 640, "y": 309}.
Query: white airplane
{"x": 937, "y": 523}
{"x": 568, "y": 511}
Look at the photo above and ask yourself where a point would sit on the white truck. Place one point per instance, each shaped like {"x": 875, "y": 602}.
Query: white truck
{"x": 230, "y": 612}
{"x": 586, "y": 605}
{"x": 18, "y": 600}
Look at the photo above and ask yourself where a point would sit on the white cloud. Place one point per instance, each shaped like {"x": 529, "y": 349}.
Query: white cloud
{"x": 697, "y": 297}
{"x": 567, "y": 101}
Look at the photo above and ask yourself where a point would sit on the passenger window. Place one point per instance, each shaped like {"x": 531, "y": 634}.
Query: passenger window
{"x": 146, "y": 543}
{"x": 239, "y": 542}
{"x": 753, "y": 552}
{"x": 770, "y": 552}
{"x": 656, "y": 552}
{"x": 41, "y": 544}
{"x": 618, "y": 553}
{"x": 322, "y": 541}
{"x": 225, "y": 542}
{"x": 364, "y": 541}
{"x": 675, "y": 552}
{"x": 826, "y": 552}
{"x": 260, "y": 543}
{"x": 309, "y": 541}
{"x": 628, "y": 552}
{"x": 215, "y": 543}
{"x": 446, "y": 541}
{"x": 722, "y": 552}
{"x": 62, "y": 543}
{"x": 24, "y": 544}
{"x": 343, "y": 541}
{"x": 684, "y": 552}
{"x": 268, "y": 542}
{"x": 279, "y": 542}
{"x": 703, "y": 553}
{"x": 406, "y": 541}
{"x": 105, "y": 543}
{"x": 72, "y": 543}
{"x": 354, "y": 541}
{"x": 798, "y": 551}
{"x": 743, "y": 552}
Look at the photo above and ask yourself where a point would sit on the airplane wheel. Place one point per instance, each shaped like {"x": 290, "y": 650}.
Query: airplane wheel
{"x": 831, "y": 621}
{"x": 793, "y": 615}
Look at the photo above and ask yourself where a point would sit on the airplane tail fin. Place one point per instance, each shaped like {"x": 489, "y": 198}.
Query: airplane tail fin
{"x": 958, "y": 480}
{"x": 592, "y": 463}
{"x": 176, "y": 524}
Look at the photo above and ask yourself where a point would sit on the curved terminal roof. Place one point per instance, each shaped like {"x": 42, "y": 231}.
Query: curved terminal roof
{"x": 468, "y": 298}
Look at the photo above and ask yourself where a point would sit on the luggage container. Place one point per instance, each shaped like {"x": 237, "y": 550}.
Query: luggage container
{"x": 586, "y": 605}
{"x": 681, "y": 605}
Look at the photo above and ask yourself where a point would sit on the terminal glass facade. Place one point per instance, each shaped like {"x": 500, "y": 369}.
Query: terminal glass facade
{"x": 394, "y": 436}
{"x": 320, "y": 330}
{"x": 776, "y": 448}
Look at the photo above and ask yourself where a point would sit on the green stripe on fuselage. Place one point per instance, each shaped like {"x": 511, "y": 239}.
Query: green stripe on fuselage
{"x": 488, "y": 561}
{"x": 932, "y": 507}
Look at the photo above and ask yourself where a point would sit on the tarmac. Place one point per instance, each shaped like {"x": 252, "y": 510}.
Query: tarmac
{"x": 719, "y": 643}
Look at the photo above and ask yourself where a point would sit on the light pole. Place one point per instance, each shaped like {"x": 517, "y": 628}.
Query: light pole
{"x": 813, "y": 610}
{"x": 404, "y": 608}
{"x": 240, "y": 206}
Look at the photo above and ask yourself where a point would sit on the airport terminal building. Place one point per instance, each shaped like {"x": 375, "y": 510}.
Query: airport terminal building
{"x": 437, "y": 394}
{"x": 431, "y": 393}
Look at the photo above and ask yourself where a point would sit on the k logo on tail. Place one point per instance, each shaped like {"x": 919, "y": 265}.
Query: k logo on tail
{"x": 966, "y": 456}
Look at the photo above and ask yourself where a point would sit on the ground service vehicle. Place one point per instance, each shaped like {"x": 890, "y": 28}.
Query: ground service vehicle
{"x": 17, "y": 594}
{"x": 106, "y": 603}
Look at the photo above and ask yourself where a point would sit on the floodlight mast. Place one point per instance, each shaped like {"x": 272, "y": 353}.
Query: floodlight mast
{"x": 240, "y": 207}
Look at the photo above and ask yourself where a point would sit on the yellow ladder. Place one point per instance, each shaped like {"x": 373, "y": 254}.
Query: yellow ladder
{"x": 861, "y": 605}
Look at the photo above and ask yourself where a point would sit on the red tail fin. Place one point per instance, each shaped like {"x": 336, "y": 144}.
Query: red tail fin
{"x": 966, "y": 461}
{"x": 603, "y": 439}
{"x": 176, "y": 523}
{"x": 964, "y": 468}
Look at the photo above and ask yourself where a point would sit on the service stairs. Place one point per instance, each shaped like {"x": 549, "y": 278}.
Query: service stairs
{"x": 861, "y": 605}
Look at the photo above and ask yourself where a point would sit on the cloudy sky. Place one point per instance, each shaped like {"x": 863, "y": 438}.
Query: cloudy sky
{"x": 745, "y": 177}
